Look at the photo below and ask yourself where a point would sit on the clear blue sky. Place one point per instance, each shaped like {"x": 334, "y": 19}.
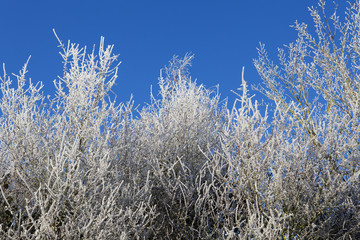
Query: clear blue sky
{"x": 223, "y": 35}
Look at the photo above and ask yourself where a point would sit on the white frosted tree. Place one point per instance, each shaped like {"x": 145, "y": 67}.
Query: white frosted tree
{"x": 315, "y": 88}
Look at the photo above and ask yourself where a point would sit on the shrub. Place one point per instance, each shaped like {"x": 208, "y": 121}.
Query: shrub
{"x": 79, "y": 165}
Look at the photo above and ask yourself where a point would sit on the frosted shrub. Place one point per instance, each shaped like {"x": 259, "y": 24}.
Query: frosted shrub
{"x": 315, "y": 89}
{"x": 79, "y": 165}
{"x": 177, "y": 133}
{"x": 63, "y": 161}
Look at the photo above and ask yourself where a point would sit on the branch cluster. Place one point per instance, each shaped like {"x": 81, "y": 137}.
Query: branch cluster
{"x": 81, "y": 166}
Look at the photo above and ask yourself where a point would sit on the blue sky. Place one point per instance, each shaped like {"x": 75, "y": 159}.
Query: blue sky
{"x": 223, "y": 35}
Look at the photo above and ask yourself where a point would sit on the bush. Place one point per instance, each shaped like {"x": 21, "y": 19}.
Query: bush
{"x": 80, "y": 165}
